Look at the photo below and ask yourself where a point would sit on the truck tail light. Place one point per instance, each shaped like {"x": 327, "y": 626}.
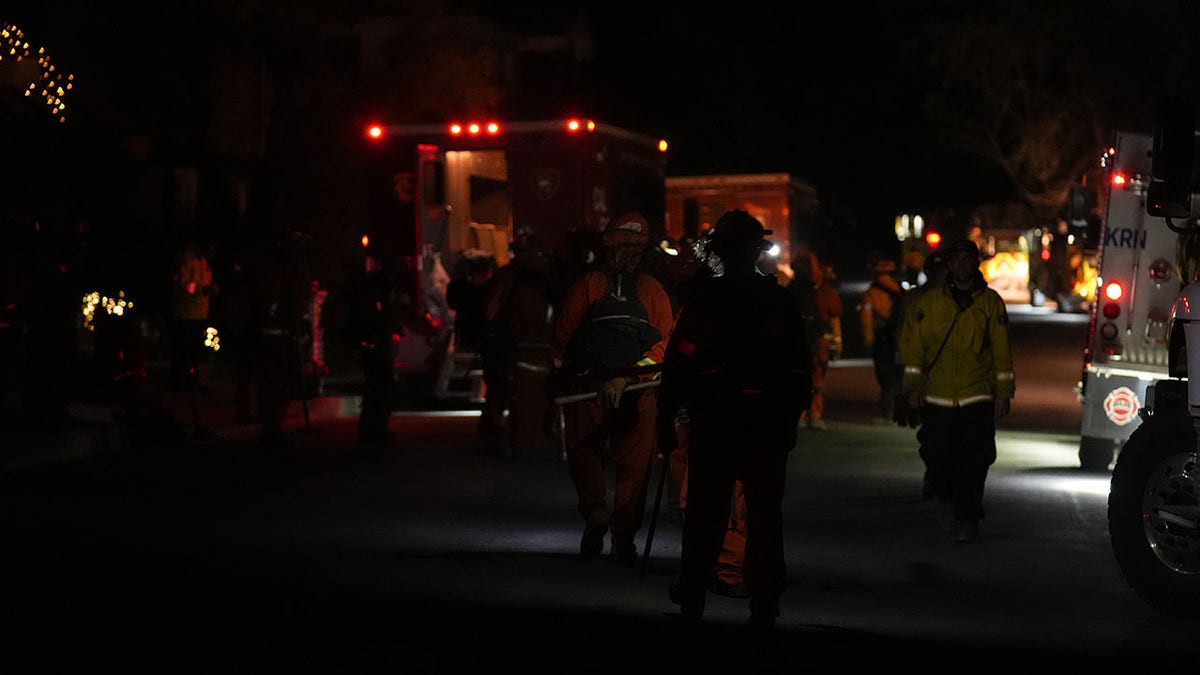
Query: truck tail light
{"x": 1113, "y": 292}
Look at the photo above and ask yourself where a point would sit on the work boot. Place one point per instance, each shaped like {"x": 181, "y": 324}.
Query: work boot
{"x": 623, "y": 551}
{"x": 592, "y": 542}
{"x": 763, "y": 614}
{"x": 691, "y": 602}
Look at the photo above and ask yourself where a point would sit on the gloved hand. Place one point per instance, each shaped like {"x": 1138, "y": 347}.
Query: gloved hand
{"x": 610, "y": 393}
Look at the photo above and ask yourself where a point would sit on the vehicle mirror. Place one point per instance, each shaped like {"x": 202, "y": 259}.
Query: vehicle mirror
{"x": 1174, "y": 153}
{"x": 1168, "y": 200}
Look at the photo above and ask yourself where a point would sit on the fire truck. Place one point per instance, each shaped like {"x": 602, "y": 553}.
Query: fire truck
{"x": 438, "y": 192}
{"x": 1154, "y": 499}
{"x": 1126, "y": 347}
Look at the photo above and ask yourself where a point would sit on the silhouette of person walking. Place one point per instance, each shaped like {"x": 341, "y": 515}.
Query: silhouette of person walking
{"x": 738, "y": 363}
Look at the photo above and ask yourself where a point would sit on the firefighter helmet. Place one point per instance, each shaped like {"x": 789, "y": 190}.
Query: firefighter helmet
{"x": 737, "y": 229}
{"x": 629, "y": 229}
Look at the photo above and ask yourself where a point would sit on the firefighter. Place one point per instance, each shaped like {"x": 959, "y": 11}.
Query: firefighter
{"x": 739, "y": 367}
{"x": 375, "y": 332}
{"x": 518, "y": 319}
{"x": 879, "y": 315}
{"x": 614, "y": 318}
{"x": 958, "y": 371}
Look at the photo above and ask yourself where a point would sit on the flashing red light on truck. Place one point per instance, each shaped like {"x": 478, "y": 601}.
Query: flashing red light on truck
{"x": 1113, "y": 291}
{"x": 933, "y": 240}
{"x": 473, "y": 129}
{"x": 374, "y": 132}
{"x": 577, "y": 125}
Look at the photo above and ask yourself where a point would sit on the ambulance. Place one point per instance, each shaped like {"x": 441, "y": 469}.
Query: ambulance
{"x": 438, "y": 192}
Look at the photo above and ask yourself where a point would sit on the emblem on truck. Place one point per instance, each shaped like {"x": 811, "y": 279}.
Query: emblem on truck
{"x": 1121, "y": 406}
{"x": 544, "y": 183}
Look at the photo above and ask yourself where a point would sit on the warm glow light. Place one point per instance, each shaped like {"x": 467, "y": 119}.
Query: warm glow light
{"x": 662, "y": 146}
{"x": 366, "y": 241}
{"x": 12, "y": 37}
{"x": 1118, "y": 179}
{"x": 933, "y": 239}
{"x": 1113, "y": 291}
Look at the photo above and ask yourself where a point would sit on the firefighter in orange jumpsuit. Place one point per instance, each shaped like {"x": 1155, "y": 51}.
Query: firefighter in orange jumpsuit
{"x": 518, "y": 315}
{"x": 614, "y": 318}
{"x": 828, "y": 343}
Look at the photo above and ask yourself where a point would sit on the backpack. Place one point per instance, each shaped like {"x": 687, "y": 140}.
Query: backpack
{"x": 615, "y": 331}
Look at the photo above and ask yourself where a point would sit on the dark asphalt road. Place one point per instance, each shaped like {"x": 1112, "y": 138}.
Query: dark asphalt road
{"x": 442, "y": 558}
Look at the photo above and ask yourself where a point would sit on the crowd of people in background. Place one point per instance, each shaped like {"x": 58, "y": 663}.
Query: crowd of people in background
{"x": 605, "y": 318}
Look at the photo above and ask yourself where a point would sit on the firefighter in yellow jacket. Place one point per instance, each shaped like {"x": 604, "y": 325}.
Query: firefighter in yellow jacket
{"x": 958, "y": 369}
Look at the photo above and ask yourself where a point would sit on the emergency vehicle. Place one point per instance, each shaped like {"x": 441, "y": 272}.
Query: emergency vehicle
{"x": 1126, "y": 347}
{"x": 437, "y": 192}
{"x": 1153, "y": 497}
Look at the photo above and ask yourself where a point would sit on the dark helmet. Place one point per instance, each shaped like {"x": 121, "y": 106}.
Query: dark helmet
{"x": 737, "y": 230}
{"x": 934, "y": 260}
{"x": 963, "y": 246}
{"x": 628, "y": 229}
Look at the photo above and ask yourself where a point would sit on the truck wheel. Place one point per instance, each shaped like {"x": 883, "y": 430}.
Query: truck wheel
{"x": 1095, "y": 454}
{"x": 1154, "y": 514}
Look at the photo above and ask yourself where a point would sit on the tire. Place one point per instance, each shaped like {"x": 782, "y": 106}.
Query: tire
{"x": 1096, "y": 454}
{"x": 1157, "y": 474}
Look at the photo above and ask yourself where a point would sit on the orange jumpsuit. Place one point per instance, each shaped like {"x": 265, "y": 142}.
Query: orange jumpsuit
{"x": 629, "y": 430}
{"x": 828, "y": 345}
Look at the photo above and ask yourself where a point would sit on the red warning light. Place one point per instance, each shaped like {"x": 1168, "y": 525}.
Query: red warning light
{"x": 374, "y": 131}
{"x": 1113, "y": 291}
{"x": 933, "y": 239}
{"x": 473, "y": 129}
{"x": 493, "y": 128}
{"x": 1045, "y": 254}
{"x": 1119, "y": 179}
{"x": 455, "y": 129}
{"x": 574, "y": 125}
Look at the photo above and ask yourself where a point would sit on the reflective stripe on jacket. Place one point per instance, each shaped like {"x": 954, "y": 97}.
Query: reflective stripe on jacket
{"x": 976, "y": 363}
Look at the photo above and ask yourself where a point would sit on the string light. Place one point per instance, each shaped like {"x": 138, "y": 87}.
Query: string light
{"x": 211, "y": 339}
{"x": 53, "y": 87}
{"x": 112, "y": 306}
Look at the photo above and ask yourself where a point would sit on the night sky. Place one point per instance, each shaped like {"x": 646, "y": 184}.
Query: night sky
{"x": 821, "y": 91}
{"x": 814, "y": 90}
